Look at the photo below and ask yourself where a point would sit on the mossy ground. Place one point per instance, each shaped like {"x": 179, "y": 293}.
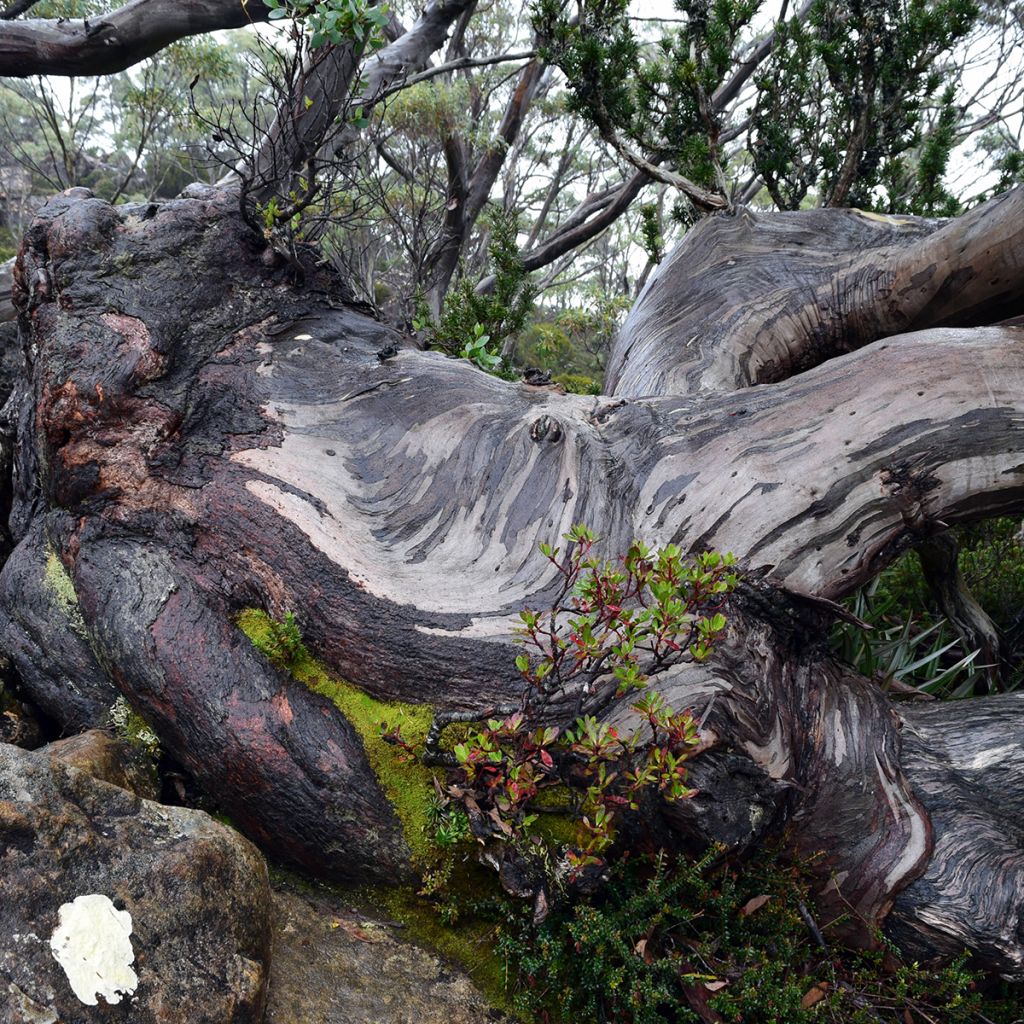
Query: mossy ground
{"x": 409, "y": 786}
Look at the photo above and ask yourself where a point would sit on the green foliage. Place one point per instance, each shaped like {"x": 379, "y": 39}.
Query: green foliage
{"x": 478, "y": 350}
{"x": 610, "y": 625}
{"x": 910, "y": 643}
{"x": 125, "y": 136}
{"x": 657, "y": 98}
{"x": 335, "y": 21}
{"x": 650, "y": 232}
{"x": 865, "y": 72}
{"x": 992, "y": 563}
{"x": 572, "y": 343}
{"x": 578, "y": 384}
{"x": 281, "y": 641}
{"x": 679, "y": 942}
{"x": 903, "y": 647}
{"x": 477, "y": 326}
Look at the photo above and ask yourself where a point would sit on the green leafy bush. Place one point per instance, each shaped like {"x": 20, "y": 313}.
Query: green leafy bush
{"x": 578, "y": 384}
{"x": 675, "y": 942}
{"x": 335, "y": 21}
{"x": 483, "y": 323}
{"x": 610, "y": 625}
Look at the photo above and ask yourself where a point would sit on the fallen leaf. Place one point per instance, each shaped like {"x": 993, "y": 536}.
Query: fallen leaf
{"x": 753, "y": 905}
{"x": 351, "y": 928}
{"x": 814, "y": 994}
{"x": 715, "y": 986}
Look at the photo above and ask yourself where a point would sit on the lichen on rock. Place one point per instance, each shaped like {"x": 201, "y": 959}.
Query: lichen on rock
{"x": 92, "y": 942}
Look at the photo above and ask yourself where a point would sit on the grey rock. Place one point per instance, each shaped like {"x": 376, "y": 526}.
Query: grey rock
{"x": 197, "y": 894}
{"x": 334, "y": 966}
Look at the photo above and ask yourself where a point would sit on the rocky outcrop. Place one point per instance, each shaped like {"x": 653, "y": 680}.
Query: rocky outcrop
{"x": 116, "y": 908}
{"x": 333, "y": 965}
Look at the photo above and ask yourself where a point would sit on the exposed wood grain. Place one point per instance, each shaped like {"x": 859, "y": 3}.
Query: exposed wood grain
{"x": 200, "y": 437}
{"x": 755, "y": 298}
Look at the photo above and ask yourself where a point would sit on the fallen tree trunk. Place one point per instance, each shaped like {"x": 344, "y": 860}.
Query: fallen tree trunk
{"x": 199, "y": 437}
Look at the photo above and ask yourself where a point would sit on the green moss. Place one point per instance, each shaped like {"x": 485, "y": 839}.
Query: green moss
{"x": 60, "y": 585}
{"x": 471, "y": 942}
{"x": 407, "y": 784}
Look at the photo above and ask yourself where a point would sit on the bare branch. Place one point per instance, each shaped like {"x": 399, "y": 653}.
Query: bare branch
{"x": 455, "y": 65}
{"x": 114, "y": 41}
{"x": 16, "y": 8}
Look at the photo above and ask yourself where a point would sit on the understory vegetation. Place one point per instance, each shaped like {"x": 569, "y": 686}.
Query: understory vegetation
{"x": 912, "y": 645}
{"x": 598, "y": 926}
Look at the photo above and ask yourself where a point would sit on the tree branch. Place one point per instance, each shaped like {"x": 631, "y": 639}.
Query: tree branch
{"x": 700, "y": 197}
{"x": 580, "y": 230}
{"x": 16, "y": 8}
{"x": 461, "y": 64}
{"x": 720, "y": 337}
{"x": 112, "y": 42}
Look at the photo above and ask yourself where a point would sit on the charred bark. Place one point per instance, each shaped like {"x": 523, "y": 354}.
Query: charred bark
{"x": 200, "y": 437}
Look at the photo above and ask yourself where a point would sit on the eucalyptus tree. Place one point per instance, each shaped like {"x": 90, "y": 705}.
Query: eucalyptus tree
{"x": 208, "y": 424}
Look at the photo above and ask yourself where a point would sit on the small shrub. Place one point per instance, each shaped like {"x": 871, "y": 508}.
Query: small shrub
{"x": 578, "y": 384}
{"x": 611, "y": 624}
{"x": 682, "y": 942}
{"x": 485, "y": 322}
{"x": 282, "y": 642}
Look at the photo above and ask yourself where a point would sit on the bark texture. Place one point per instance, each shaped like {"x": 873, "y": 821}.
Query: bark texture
{"x": 199, "y": 437}
{"x": 112, "y": 42}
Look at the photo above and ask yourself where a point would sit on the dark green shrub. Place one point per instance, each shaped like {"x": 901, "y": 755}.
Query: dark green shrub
{"x": 674, "y": 942}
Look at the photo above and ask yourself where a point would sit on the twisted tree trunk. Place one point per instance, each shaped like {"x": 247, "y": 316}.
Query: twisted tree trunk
{"x": 197, "y": 437}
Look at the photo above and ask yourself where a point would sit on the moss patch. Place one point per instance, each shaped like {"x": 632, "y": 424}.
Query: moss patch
{"x": 471, "y": 943}
{"x": 407, "y": 784}
{"x": 61, "y": 587}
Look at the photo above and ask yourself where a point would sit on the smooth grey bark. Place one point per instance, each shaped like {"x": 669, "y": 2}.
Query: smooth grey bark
{"x": 112, "y": 42}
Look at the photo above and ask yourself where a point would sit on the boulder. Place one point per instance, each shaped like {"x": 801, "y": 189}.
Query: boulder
{"x": 115, "y": 908}
{"x": 111, "y": 760}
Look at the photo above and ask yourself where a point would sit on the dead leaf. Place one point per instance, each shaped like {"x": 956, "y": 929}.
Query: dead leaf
{"x": 753, "y": 905}
{"x": 640, "y": 947}
{"x": 814, "y": 994}
{"x": 351, "y": 928}
{"x": 715, "y": 986}
{"x": 499, "y": 821}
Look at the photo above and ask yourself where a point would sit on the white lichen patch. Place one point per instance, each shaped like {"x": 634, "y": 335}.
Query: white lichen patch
{"x": 92, "y": 942}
